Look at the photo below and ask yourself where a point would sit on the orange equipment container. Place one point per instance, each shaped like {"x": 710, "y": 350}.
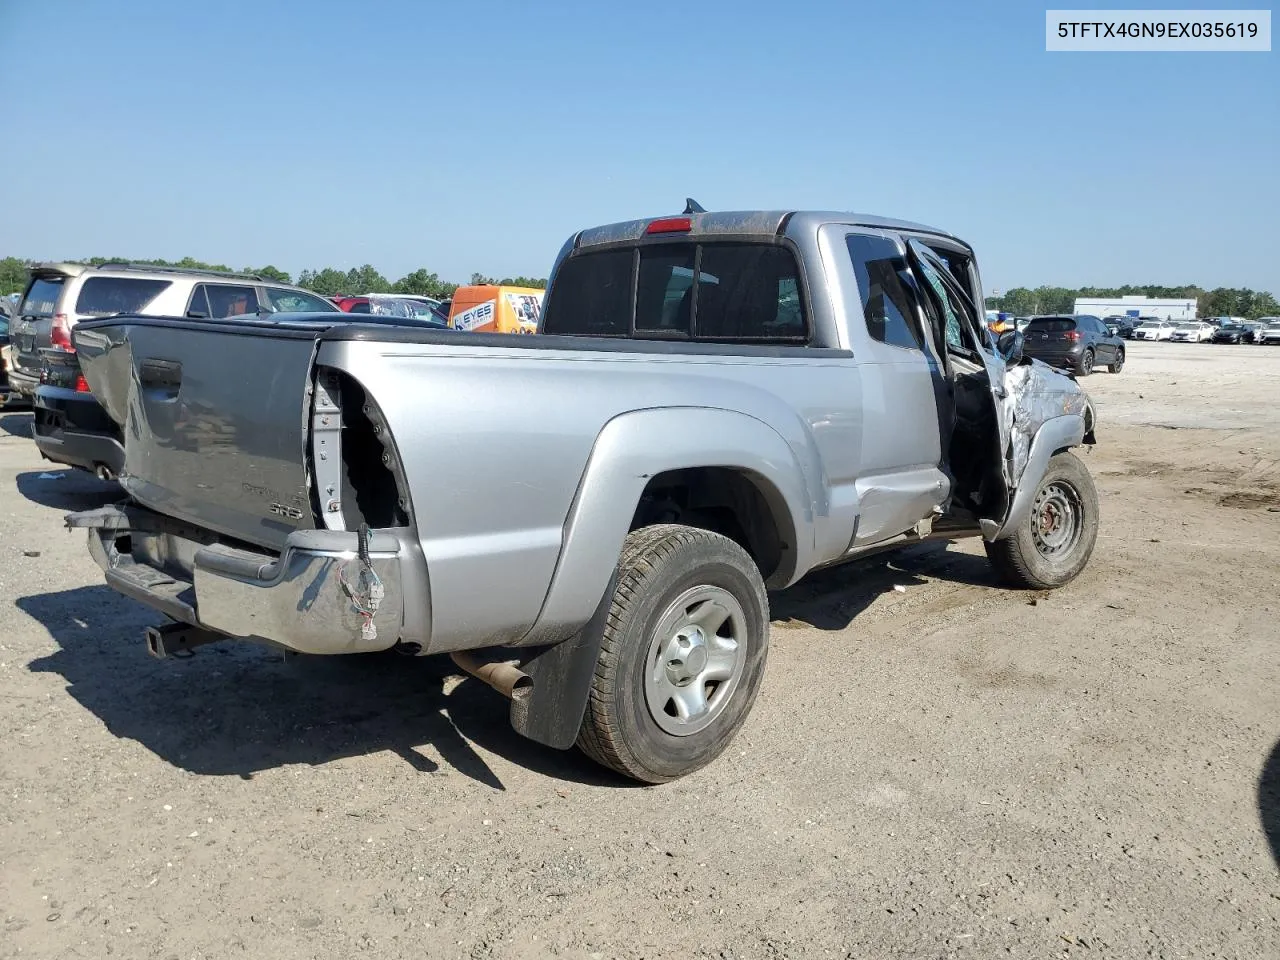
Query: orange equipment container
{"x": 492, "y": 309}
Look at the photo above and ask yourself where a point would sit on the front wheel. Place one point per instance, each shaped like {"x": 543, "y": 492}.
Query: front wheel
{"x": 1118, "y": 363}
{"x": 1084, "y": 366}
{"x": 682, "y": 657}
{"x": 1052, "y": 546}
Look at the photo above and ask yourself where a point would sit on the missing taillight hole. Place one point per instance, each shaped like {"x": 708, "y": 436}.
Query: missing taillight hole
{"x": 373, "y": 490}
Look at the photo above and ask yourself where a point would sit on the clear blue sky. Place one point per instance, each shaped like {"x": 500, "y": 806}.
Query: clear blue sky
{"x": 477, "y": 136}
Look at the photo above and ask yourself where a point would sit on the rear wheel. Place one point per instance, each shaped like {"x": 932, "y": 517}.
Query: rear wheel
{"x": 1084, "y": 366}
{"x": 683, "y": 654}
{"x": 1052, "y": 546}
{"x": 1118, "y": 363}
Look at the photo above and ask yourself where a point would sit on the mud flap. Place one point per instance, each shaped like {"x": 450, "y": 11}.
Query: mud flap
{"x": 552, "y": 712}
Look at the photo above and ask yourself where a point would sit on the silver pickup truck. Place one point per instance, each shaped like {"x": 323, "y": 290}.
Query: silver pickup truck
{"x": 588, "y": 519}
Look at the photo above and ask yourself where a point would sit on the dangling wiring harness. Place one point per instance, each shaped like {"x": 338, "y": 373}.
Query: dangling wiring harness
{"x": 367, "y": 591}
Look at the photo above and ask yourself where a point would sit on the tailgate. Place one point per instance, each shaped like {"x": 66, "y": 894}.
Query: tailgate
{"x": 214, "y": 419}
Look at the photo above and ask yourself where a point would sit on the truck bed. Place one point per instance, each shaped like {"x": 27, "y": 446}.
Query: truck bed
{"x": 490, "y": 439}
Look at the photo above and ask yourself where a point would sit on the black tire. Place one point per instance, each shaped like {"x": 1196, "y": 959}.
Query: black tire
{"x": 1117, "y": 364}
{"x": 658, "y": 565}
{"x": 1084, "y": 366}
{"x": 1022, "y": 560}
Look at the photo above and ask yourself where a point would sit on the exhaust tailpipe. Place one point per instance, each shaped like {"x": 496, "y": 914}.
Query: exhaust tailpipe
{"x": 508, "y": 679}
{"x": 104, "y": 472}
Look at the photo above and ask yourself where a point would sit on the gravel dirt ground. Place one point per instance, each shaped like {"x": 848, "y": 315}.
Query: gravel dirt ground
{"x": 951, "y": 769}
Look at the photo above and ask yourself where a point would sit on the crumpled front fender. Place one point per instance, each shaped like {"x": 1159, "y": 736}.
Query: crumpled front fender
{"x": 1054, "y": 435}
{"x": 1044, "y": 411}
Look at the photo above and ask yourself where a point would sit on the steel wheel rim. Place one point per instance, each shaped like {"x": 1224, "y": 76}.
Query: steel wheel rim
{"x": 1056, "y": 519}
{"x": 695, "y": 660}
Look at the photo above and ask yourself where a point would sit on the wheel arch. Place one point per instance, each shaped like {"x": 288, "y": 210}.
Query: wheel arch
{"x": 1054, "y": 436}
{"x": 642, "y": 450}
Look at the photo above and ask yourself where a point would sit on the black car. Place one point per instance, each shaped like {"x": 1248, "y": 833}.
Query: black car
{"x": 1121, "y": 327}
{"x": 1077, "y": 342}
{"x": 71, "y": 427}
{"x": 1235, "y": 333}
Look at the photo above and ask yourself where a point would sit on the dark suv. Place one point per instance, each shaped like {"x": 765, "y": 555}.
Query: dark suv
{"x": 1122, "y": 327}
{"x": 1078, "y": 342}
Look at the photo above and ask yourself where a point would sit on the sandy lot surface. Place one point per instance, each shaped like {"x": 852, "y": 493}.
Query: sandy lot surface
{"x": 953, "y": 770}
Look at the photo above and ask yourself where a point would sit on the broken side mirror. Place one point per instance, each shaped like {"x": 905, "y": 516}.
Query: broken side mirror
{"x": 1009, "y": 346}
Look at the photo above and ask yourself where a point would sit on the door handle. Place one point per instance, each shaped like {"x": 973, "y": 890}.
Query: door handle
{"x": 160, "y": 378}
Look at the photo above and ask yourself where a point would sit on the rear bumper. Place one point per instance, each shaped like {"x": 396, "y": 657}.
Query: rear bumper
{"x": 23, "y": 383}
{"x": 303, "y": 599}
{"x": 1065, "y": 357}
{"x": 72, "y": 428}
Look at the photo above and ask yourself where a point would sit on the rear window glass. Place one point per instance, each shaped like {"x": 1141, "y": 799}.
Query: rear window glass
{"x": 42, "y": 297}
{"x": 748, "y": 291}
{"x": 104, "y": 296}
{"x": 1052, "y": 325}
{"x": 727, "y": 292}
{"x": 591, "y": 296}
{"x": 664, "y": 292}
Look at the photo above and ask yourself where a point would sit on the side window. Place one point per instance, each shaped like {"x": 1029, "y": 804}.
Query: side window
{"x": 295, "y": 301}
{"x": 748, "y": 292}
{"x": 951, "y": 309}
{"x": 362, "y": 307}
{"x": 664, "y": 290}
{"x": 226, "y": 300}
{"x": 199, "y": 305}
{"x": 590, "y": 296}
{"x": 884, "y": 283}
{"x": 104, "y": 296}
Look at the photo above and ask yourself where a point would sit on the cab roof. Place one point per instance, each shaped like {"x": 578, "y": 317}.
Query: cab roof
{"x": 742, "y": 223}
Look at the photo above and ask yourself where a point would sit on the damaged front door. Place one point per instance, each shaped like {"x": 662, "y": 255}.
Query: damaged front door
{"x": 976, "y": 453}
{"x": 1026, "y": 395}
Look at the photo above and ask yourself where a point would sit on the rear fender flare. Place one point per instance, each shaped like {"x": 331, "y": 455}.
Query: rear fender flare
{"x": 630, "y": 450}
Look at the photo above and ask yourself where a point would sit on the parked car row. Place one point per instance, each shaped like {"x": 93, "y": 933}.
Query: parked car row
{"x": 1267, "y": 330}
{"x": 38, "y": 364}
{"x": 1080, "y": 342}
{"x": 1209, "y": 330}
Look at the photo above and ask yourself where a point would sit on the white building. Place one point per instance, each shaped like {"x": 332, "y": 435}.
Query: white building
{"x": 1137, "y": 307}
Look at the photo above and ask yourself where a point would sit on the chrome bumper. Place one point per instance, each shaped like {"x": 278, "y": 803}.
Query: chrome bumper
{"x": 297, "y": 600}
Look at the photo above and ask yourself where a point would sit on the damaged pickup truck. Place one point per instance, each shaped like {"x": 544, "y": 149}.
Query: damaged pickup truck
{"x": 588, "y": 519}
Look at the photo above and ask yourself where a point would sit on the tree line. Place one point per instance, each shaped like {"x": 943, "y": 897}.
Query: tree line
{"x": 1021, "y": 301}
{"x": 328, "y": 281}
{"x": 1220, "y": 302}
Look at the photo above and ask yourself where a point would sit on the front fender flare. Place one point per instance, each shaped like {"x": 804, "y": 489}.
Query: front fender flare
{"x": 1055, "y": 435}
